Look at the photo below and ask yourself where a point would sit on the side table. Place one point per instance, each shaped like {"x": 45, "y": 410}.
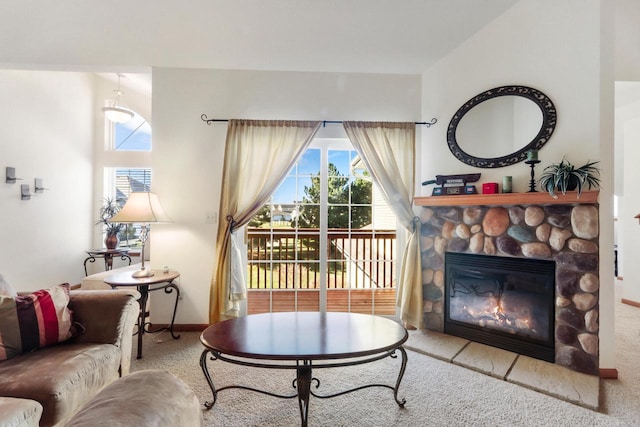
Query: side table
{"x": 108, "y": 255}
{"x": 144, "y": 285}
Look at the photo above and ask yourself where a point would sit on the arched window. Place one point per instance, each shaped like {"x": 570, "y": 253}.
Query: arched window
{"x": 134, "y": 135}
{"x": 124, "y": 171}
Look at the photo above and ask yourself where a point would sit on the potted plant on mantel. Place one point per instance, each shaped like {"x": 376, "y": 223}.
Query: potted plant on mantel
{"x": 112, "y": 229}
{"x": 565, "y": 177}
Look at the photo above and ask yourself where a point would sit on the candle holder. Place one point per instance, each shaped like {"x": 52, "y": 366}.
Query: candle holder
{"x": 532, "y": 182}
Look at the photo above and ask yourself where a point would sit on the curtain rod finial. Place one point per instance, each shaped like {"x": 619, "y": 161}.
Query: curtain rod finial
{"x": 429, "y": 124}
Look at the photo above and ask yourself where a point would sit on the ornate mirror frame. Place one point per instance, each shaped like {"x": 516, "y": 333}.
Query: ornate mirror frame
{"x": 549, "y": 119}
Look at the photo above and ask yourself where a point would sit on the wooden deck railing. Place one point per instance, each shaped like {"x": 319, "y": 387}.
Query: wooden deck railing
{"x": 290, "y": 259}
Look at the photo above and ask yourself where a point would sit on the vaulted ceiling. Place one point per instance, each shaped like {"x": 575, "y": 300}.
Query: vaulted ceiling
{"x": 381, "y": 36}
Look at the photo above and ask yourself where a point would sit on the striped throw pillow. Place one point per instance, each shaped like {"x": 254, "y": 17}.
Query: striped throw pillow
{"x": 29, "y": 322}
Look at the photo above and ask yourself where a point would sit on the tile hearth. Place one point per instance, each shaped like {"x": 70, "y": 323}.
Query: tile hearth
{"x": 548, "y": 378}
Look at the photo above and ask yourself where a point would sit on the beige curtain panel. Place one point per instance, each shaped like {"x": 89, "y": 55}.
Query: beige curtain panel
{"x": 388, "y": 151}
{"x": 258, "y": 155}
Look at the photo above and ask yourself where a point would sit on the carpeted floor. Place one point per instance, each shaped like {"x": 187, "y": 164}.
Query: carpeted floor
{"x": 621, "y": 398}
{"x": 438, "y": 393}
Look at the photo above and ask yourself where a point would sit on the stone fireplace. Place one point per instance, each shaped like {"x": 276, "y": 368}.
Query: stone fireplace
{"x": 563, "y": 233}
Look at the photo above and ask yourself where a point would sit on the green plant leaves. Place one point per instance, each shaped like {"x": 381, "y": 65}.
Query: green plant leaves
{"x": 564, "y": 177}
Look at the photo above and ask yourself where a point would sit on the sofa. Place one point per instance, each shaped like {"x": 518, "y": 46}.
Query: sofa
{"x": 48, "y": 385}
{"x": 148, "y": 398}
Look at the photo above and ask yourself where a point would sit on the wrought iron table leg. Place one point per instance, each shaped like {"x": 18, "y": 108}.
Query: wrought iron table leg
{"x": 90, "y": 259}
{"x": 144, "y": 296}
{"x": 303, "y": 384}
{"x": 400, "y": 375}
{"x": 205, "y": 370}
{"x": 168, "y": 290}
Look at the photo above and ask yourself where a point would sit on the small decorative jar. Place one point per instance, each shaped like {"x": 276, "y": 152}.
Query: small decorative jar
{"x": 507, "y": 184}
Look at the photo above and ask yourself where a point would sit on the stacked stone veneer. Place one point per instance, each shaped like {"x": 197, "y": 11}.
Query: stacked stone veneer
{"x": 567, "y": 234}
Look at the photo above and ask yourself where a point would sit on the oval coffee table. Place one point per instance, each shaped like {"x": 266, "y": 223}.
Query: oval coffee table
{"x": 308, "y": 340}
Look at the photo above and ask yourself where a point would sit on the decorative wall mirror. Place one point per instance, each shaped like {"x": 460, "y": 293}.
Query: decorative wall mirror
{"x": 496, "y": 128}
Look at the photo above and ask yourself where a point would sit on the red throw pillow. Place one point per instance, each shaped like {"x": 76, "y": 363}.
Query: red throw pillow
{"x": 29, "y": 322}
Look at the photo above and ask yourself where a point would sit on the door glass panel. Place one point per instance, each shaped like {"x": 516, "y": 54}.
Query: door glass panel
{"x": 313, "y": 245}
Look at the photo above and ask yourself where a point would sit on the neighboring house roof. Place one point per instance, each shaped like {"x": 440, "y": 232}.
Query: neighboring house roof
{"x": 127, "y": 184}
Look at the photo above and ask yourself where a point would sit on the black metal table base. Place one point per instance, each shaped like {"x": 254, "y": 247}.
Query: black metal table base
{"x": 108, "y": 260}
{"x": 143, "y": 325}
{"x": 167, "y": 290}
{"x": 304, "y": 378}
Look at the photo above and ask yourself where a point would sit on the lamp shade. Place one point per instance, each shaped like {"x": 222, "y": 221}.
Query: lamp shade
{"x": 141, "y": 207}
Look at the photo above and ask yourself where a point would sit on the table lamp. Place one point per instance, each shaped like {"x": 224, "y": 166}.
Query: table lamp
{"x": 143, "y": 207}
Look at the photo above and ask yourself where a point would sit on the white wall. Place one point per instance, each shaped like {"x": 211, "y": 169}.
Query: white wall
{"x": 533, "y": 56}
{"x": 628, "y": 135}
{"x": 560, "y": 48}
{"x": 46, "y": 133}
{"x": 627, "y": 40}
{"x": 188, "y": 154}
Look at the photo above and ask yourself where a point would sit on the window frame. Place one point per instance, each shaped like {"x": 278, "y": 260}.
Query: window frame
{"x": 108, "y": 160}
{"x": 325, "y": 146}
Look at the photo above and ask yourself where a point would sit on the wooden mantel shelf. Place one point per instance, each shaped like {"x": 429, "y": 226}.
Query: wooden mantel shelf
{"x": 539, "y": 198}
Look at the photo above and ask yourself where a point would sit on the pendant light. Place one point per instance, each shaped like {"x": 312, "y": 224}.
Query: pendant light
{"x": 115, "y": 112}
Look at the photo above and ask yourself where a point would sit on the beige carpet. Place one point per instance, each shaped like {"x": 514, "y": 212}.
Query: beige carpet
{"x": 438, "y": 393}
{"x": 621, "y": 398}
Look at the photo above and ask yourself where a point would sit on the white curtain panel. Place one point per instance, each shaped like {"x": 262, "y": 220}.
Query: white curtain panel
{"x": 258, "y": 155}
{"x": 388, "y": 151}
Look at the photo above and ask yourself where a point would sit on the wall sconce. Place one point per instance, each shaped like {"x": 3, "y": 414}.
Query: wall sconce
{"x": 25, "y": 193}
{"x": 38, "y": 187}
{"x": 11, "y": 175}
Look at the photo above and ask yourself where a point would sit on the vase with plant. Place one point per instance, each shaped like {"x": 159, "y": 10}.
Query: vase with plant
{"x": 565, "y": 177}
{"x": 109, "y": 208}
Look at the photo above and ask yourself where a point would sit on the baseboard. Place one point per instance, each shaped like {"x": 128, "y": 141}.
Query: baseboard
{"x": 183, "y": 327}
{"x": 608, "y": 373}
{"x": 630, "y": 302}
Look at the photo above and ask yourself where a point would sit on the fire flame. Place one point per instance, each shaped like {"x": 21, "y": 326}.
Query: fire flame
{"x": 499, "y": 314}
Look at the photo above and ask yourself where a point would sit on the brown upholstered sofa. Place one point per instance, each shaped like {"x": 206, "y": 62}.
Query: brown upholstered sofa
{"x": 147, "y": 398}
{"x": 48, "y": 386}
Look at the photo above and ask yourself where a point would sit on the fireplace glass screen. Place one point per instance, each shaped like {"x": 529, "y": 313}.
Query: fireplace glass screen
{"x": 500, "y": 301}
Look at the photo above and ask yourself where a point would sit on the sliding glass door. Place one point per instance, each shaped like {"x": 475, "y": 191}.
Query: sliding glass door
{"x": 325, "y": 241}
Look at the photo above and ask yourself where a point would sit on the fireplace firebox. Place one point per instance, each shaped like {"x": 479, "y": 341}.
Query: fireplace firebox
{"x": 504, "y": 302}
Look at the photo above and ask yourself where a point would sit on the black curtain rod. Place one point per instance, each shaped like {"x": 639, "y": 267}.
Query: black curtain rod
{"x": 324, "y": 122}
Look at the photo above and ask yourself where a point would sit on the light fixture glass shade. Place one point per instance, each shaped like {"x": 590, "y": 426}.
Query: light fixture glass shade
{"x": 118, "y": 114}
{"x": 115, "y": 112}
{"x": 141, "y": 207}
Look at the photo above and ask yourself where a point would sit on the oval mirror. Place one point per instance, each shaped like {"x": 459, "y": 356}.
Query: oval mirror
{"x": 496, "y": 128}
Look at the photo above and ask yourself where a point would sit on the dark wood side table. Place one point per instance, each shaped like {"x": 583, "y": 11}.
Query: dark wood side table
{"x": 307, "y": 340}
{"x": 107, "y": 255}
{"x": 144, "y": 285}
